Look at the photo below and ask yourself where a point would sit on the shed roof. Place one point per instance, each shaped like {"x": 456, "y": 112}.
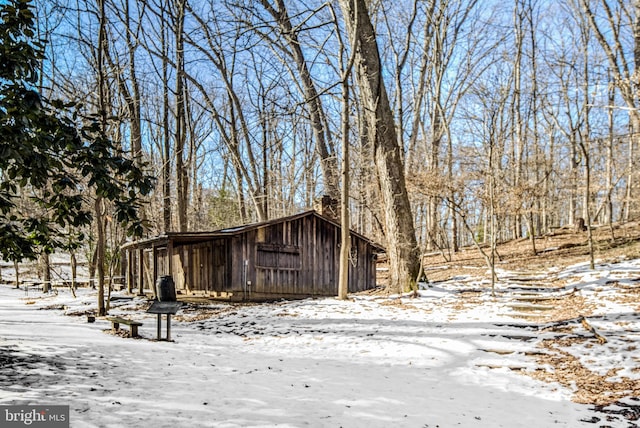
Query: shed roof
{"x": 195, "y": 237}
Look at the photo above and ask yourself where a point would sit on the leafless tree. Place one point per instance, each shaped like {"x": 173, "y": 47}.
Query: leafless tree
{"x": 292, "y": 48}
{"x": 608, "y": 19}
{"x": 241, "y": 107}
{"x": 400, "y": 232}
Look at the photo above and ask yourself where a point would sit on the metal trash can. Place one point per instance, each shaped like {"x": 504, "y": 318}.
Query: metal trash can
{"x": 166, "y": 289}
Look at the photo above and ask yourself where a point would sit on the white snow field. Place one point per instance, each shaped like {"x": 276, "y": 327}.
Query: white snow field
{"x": 446, "y": 358}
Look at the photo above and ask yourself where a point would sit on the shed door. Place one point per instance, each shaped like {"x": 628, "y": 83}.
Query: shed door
{"x": 277, "y": 269}
{"x": 201, "y": 265}
{"x": 219, "y": 257}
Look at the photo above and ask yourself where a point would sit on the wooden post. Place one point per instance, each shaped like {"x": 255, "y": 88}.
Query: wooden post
{"x": 170, "y": 257}
{"x": 159, "y": 326}
{"x": 129, "y": 272}
{"x": 168, "y": 327}
{"x": 140, "y": 272}
{"x": 154, "y": 263}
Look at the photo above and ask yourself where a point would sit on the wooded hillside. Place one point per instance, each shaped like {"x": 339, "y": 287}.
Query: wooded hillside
{"x": 511, "y": 118}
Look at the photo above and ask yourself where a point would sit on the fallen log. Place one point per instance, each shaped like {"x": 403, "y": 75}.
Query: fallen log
{"x": 601, "y": 339}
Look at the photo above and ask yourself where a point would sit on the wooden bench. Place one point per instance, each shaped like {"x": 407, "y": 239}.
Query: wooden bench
{"x": 133, "y": 325}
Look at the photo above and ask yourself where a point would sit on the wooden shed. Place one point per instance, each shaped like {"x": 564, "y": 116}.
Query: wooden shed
{"x": 290, "y": 257}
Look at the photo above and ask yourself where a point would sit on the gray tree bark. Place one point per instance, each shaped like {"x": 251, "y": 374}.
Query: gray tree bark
{"x": 402, "y": 248}
{"x": 98, "y": 204}
{"x": 182, "y": 174}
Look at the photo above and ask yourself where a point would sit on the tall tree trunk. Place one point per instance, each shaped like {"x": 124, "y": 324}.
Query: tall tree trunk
{"x": 493, "y": 227}
{"x": 629, "y": 185}
{"x": 45, "y": 269}
{"x": 345, "y": 221}
{"x": 455, "y": 244}
{"x": 345, "y": 235}
{"x": 134, "y": 99}
{"x": 585, "y": 146}
{"x": 16, "y": 268}
{"x": 98, "y": 204}
{"x": 427, "y": 36}
{"x": 182, "y": 174}
{"x": 437, "y": 133}
{"x": 131, "y": 96}
{"x": 100, "y": 254}
{"x": 73, "y": 262}
{"x": 635, "y": 114}
{"x": 516, "y": 116}
{"x": 401, "y": 239}
{"x": 609, "y": 167}
{"x": 575, "y": 162}
{"x": 166, "y": 138}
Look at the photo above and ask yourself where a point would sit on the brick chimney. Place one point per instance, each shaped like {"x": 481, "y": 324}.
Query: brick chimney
{"x": 328, "y": 207}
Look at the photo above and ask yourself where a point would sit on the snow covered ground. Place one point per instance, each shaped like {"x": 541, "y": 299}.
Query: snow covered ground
{"x": 454, "y": 356}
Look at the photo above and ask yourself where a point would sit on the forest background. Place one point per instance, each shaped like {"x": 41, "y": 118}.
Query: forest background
{"x": 508, "y": 119}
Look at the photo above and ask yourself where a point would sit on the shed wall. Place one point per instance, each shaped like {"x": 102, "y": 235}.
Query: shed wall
{"x": 295, "y": 257}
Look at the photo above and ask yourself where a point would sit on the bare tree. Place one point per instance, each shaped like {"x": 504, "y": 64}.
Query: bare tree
{"x": 346, "y": 66}
{"x": 166, "y": 133}
{"x": 608, "y": 23}
{"x": 182, "y": 175}
{"x": 324, "y": 143}
{"x": 99, "y": 208}
{"x": 232, "y": 124}
{"x": 400, "y": 232}
{"x": 241, "y": 107}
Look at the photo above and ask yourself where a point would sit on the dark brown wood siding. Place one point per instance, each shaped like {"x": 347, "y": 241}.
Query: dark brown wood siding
{"x": 219, "y": 265}
{"x": 362, "y": 265}
{"x": 297, "y": 256}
